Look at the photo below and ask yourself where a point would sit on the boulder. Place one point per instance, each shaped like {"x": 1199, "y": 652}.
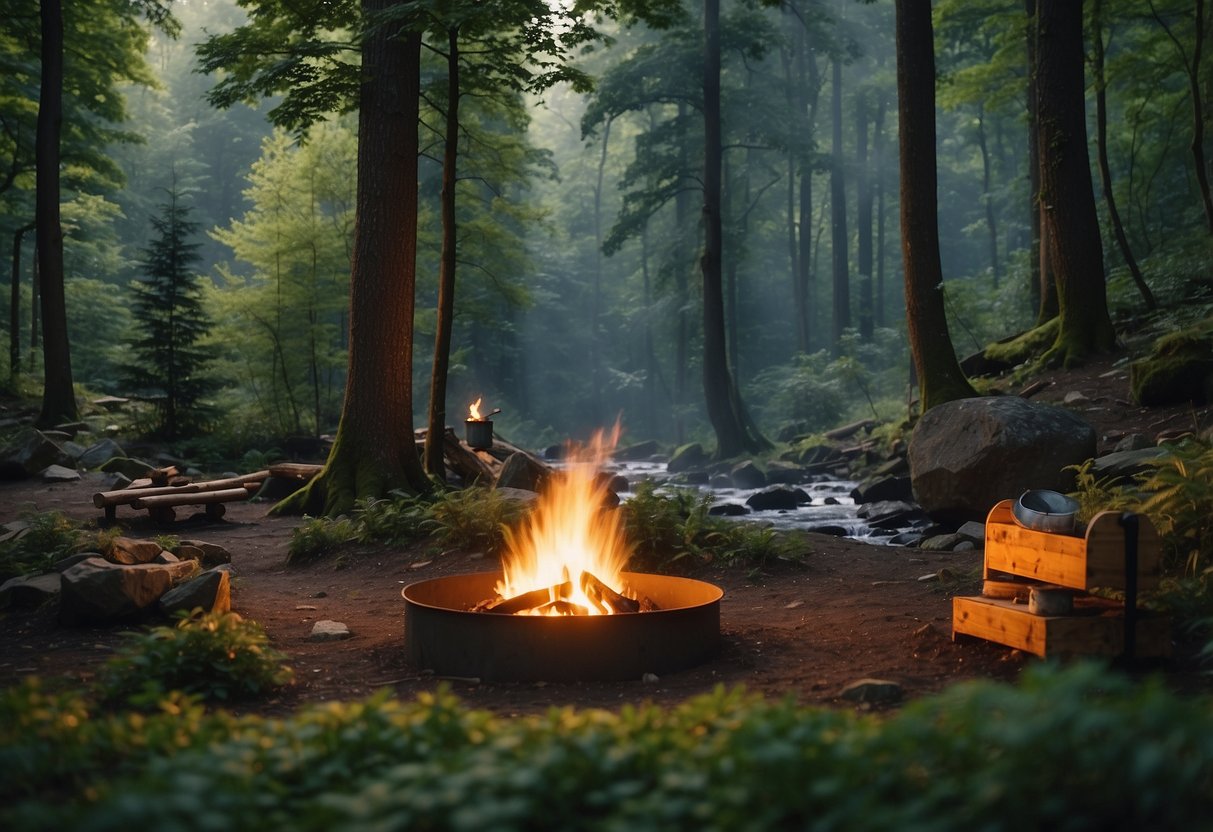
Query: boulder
{"x": 127, "y": 467}
{"x": 99, "y": 453}
{"x": 694, "y": 478}
{"x": 58, "y": 473}
{"x": 522, "y": 471}
{"x": 1123, "y": 466}
{"x": 129, "y": 550}
{"x": 974, "y": 531}
{"x": 29, "y": 452}
{"x": 66, "y": 563}
{"x": 329, "y": 631}
{"x": 829, "y": 529}
{"x": 778, "y": 498}
{"x": 686, "y": 457}
{"x": 96, "y": 591}
{"x": 728, "y": 510}
{"x": 29, "y": 590}
{"x": 720, "y": 481}
{"x": 208, "y": 554}
{"x": 968, "y": 454}
{"x": 883, "y": 488}
{"x": 816, "y": 455}
{"x": 787, "y": 473}
{"x": 747, "y": 475}
{"x": 872, "y": 691}
{"x": 889, "y": 513}
{"x": 211, "y": 592}
{"x": 1179, "y": 371}
{"x": 72, "y": 450}
{"x": 1133, "y": 442}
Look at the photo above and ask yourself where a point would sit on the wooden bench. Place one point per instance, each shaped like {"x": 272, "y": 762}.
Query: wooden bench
{"x": 159, "y": 501}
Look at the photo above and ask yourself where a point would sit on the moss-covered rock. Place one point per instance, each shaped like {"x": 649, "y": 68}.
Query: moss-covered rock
{"x": 1180, "y": 369}
{"x": 691, "y": 455}
{"x": 1027, "y": 346}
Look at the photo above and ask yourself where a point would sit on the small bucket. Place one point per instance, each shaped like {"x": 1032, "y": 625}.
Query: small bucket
{"x": 479, "y": 433}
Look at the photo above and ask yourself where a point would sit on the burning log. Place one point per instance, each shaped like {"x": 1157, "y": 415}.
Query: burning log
{"x": 530, "y": 600}
{"x": 604, "y": 596}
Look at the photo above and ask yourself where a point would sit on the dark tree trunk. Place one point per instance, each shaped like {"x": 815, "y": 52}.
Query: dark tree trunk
{"x": 863, "y": 219}
{"x": 374, "y": 450}
{"x": 1070, "y": 224}
{"x": 58, "y": 395}
{"x": 733, "y": 433}
{"x": 1038, "y": 273}
{"x": 682, "y": 220}
{"x": 14, "y": 309}
{"x": 35, "y": 319}
{"x": 939, "y": 374}
{"x": 878, "y": 151}
{"x": 987, "y": 197}
{"x": 596, "y": 293}
{"x": 435, "y": 464}
{"x": 1101, "y": 145}
{"x": 838, "y": 220}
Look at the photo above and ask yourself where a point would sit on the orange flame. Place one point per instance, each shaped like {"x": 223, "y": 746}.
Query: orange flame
{"x": 569, "y": 532}
{"x": 474, "y": 411}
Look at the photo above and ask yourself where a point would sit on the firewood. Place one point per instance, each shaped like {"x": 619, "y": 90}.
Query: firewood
{"x": 161, "y": 476}
{"x": 562, "y": 607}
{"x": 597, "y": 591}
{"x": 464, "y": 461}
{"x": 530, "y": 600}
{"x": 294, "y": 470}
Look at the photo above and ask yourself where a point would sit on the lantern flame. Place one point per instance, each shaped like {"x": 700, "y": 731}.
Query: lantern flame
{"x": 474, "y": 411}
{"x": 570, "y": 538}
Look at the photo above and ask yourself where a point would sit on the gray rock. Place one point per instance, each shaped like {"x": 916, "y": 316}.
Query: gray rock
{"x": 694, "y": 477}
{"x": 728, "y": 510}
{"x": 58, "y": 473}
{"x": 72, "y": 450}
{"x": 519, "y": 495}
{"x": 29, "y": 452}
{"x": 778, "y": 498}
{"x": 786, "y": 473}
{"x": 895, "y": 467}
{"x": 99, "y": 453}
{"x": 129, "y": 550}
{"x": 29, "y": 590}
{"x": 1133, "y": 442}
{"x": 828, "y": 529}
{"x": 974, "y": 531}
{"x": 126, "y": 466}
{"x": 969, "y": 454}
{"x": 687, "y": 457}
{"x": 721, "y": 481}
{"x": 521, "y": 471}
{"x": 885, "y": 510}
{"x": 907, "y": 539}
{"x": 1122, "y": 466}
{"x": 747, "y": 475}
{"x": 1074, "y": 397}
{"x": 96, "y": 591}
{"x": 210, "y": 591}
{"x": 64, "y": 564}
{"x": 943, "y": 543}
{"x": 329, "y": 631}
{"x": 208, "y": 554}
{"x": 640, "y": 450}
{"x": 883, "y": 488}
{"x": 872, "y": 691}
{"x": 965, "y": 546}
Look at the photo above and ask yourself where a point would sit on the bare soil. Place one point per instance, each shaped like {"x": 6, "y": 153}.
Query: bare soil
{"x": 848, "y": 612}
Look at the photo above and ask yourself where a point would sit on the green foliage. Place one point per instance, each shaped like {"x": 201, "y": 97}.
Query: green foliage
{"x": 219, "y": 657}
{"x": 49, "y": 537}
{"x": 475, "y": 519}
{"x": 1076, "y": 749}
{"x": 397, "y": 519}
{"x": 1096, "y": 495}
{"x": 1180, "y": 494}
{"x": 316, "y": 537}
{"x": 666, "y": 525}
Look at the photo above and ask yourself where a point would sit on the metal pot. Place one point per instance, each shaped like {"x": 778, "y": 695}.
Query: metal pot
{"x": 479, "y": 433}
{"x": 1046, "y": 511}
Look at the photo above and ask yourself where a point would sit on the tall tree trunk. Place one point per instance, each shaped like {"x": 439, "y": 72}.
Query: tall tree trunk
{"x": 58, "y": 395}
{"x": 1038, "y": 272}
{"x": 986, "y": 197}
{"x": 682, "y": 221}
{"x": 939, "y": 375}
{"x": 1070, "y": 223}
{"x": 374, "y": 450}
{"x": 863, "y": 218}
{"x": 35, "y": 304}
{"x": 596, "y": 293}
{"x": 733, "y": 433}
{"x": 435, "y": 463}
{"x": 841, "y": 319}
{"x": 879, "y": 153}
{"x": 1101, "y": 146}
{"x": 1192, "y": 70}
{"x": 14, "y": 308}
{"x": 650, "y": 355}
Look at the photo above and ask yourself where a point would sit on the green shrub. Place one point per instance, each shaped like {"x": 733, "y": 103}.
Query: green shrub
{"x": 49, "y": 537}
{"x": 217, "y": 656}
{"x": 1180, "y": 503}
{"x": 1096, "y": 495}
{"x": 397, "y": 519}
{"x": 1076, "y": 749}
{"x": 475, "y": 519}
{"x": 319, "y": 536}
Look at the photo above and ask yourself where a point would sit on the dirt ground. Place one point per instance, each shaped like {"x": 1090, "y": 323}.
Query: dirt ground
{"x": 850, "y": 611}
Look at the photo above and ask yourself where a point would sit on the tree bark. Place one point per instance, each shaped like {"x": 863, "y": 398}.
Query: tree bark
{"x": 14, "y": 308}
{"x": 863, "y": 219}
{"x": 733, "y": 434}
{"x": 374, "y": 450}
{"x": 1101, "y": 146}
{"x": 58, "y": 395}
{"x": 987, "y": 197}
{"x": 939, "y": 375}
{"x": 1038, "y": 271}
{"x": 1071, "y": 227}
{"x": 838, "y": 220}
{"x": 435, "y": 464}
{"x": 878, "y": 151}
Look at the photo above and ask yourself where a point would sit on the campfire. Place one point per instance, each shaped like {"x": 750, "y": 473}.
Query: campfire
{"x": 569, "y": 557}
{"x": 562, "y": 608}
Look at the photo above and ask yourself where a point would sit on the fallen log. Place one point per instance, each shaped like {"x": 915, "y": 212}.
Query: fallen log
{"x": 106, "y": 499}
{"x": 197, "y": 498}
{"x": 295, "y": 470}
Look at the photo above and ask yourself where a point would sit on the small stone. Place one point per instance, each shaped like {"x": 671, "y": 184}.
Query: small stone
{"x": 305, "y": 606}
{"x": 58, "y": 473}
{"x": 421, "y": 564}
{"x": 791, "y": 605}
{"x": 212, "y": 554}
{"x": 29, "y": 590}
{"x": 650, "y": 678}
{"x": 974, "y": 531}
{"x": 210, "y": 591}
{"x": 930, "y": 576}
{"x": 320, "y": 594}
{"x": 942, "y": 543}
{"x": 1074, "y": 397}
{"x": 329, "y": 631}
{"x": 872, "y": 691}
{"x": 128, "y": 550}
{"x": 166, "y": 557}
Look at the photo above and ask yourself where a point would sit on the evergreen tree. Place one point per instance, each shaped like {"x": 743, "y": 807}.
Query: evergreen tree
{"x": 170, "y": 322}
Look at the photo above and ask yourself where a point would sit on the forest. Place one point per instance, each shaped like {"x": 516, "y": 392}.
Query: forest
{"x": 576, "y": 230}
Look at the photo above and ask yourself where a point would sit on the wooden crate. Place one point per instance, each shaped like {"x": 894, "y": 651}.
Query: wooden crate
{"x": 1096, "y": 559}
{"x": 1096, "y": 629}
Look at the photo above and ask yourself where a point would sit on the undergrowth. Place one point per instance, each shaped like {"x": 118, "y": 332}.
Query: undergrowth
{"x": 1076, "y": 749}
{"x": 48, "y": 537}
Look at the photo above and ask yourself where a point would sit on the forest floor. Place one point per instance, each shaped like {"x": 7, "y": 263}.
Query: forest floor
{"x": 849, "y": 611}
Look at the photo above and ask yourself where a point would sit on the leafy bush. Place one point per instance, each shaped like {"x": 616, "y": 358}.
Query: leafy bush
{"x": 399, "y": 518}
{"x": 319, "y": 536}
{"x": 217, "y": 656}
{"x": 49, "y": 537}
{"x": 1076, "y": 749}
{"x": 1096, "y": 495}
{"x": 1180, "y": 494}
{"x": 475, "y": 519}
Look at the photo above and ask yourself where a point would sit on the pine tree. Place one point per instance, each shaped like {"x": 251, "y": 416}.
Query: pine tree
{"x": 170, "y": 322}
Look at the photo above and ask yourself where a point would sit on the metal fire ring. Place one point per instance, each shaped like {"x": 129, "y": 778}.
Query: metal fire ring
{"x": 441, "y": 635}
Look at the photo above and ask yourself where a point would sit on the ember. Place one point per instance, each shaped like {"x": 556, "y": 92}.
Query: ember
{"x": 569, "y": 557}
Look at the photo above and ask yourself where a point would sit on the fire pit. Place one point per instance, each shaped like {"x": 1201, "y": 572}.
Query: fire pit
{"x": 443, "y": 634}
{"x": 563, "y": 608}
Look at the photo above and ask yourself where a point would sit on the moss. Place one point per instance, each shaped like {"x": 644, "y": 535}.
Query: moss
{"x": 1180, "y": 368}
{"x": 1026, "y": 346}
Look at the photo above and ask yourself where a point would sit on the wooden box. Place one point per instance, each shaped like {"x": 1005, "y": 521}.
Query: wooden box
{"x": 1095, "y": 559}
{"x": 1095, "y": 629}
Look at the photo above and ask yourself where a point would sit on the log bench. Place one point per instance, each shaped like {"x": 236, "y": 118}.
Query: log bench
{"x": 159, "y": 501}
